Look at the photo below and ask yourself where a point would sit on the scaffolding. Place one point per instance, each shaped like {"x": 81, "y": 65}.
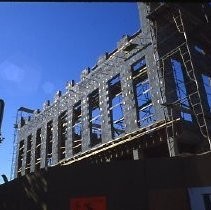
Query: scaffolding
{"x": 190, "y": 102}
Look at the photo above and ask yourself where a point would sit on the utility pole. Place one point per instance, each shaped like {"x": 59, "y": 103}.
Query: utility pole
{"x": 1, "y": 117}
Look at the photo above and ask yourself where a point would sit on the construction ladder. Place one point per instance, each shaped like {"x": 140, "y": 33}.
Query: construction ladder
{"x": 195, "y": 97}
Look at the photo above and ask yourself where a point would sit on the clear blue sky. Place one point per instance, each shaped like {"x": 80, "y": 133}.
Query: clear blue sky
{"x": 43, "y": 45}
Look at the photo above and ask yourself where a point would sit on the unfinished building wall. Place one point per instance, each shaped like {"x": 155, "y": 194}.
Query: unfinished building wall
{"x": 144, "y": 99}
{"x": 100, "y": 108}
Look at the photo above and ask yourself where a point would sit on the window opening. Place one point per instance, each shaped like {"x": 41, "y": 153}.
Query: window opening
{"x": 144, "y": 106}
{"x": 116, "y": 107}
{"x": 207, "y": 86}
{"x": 28, "y": 153}
{"x": 181, "y": 89}
{"x": 38, "y": 149}
{"x": 49, "y": 143}
{"x": 76, "y": 128}
{"x": 95, "y": 118}
{"x": 20, "y": 156}
{"x": 138, "y": 66}
{"x": 62, "y": 134}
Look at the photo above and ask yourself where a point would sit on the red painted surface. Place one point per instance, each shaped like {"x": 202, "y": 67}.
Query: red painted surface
{"x": 88, "y": 203}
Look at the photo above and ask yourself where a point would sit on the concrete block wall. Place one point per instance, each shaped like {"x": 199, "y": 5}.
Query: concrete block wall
{"x": 108, "y": 66}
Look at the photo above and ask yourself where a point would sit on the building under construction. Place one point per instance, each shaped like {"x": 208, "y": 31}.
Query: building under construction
{"x": 134, "y": 133}
{"x": 150, "y": 97}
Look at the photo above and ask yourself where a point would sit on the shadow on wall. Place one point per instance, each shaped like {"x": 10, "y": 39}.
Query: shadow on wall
{"x": 27, "y": 192}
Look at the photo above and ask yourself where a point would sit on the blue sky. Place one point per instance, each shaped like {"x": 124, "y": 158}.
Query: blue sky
{"x": 43, "y": 45}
